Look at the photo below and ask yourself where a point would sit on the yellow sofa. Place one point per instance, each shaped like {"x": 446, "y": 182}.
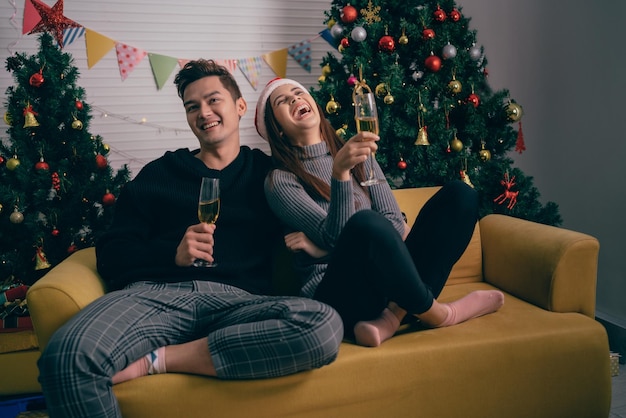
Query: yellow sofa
{"x": 541, "y": 355}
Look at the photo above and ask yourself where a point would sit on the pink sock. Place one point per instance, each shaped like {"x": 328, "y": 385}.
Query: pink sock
{"x": 477, "y": 303}
{"x": 373, "y": 333}
{"x": 151, "y": 363}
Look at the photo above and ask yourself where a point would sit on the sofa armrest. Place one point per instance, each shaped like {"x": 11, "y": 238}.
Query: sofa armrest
{"x": 63, "y": 292}
{"x": 553, "y": 268}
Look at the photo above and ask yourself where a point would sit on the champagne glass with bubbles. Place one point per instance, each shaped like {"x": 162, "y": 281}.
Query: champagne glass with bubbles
{"x": 366, "y": 117}
{"x": 208, "y": 208}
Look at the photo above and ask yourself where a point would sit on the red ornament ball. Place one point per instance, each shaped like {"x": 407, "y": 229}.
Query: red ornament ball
{"x": 348, "y": 14}
{"x": 387, "y": 44}
{"x": 345, "y": 42}
{"x": 473, "y": 99}
{"x": 2, "y": 160}
{"x": 72, "y": 249}
{"x": 455, "y": 15}
{"x": 433, "y": 63}
{"x": 36, "y": 80}
{"x": 402, "y": 165}
{"x": 55, "y": 232}
{"x": 42, "y": 165}
{"x": 108, "y": 199}
{"x": 79, "y": 105}
{"x": 101, "y": 161}
{"x": 439, "y": 15}
{"x": 428, "y": 34}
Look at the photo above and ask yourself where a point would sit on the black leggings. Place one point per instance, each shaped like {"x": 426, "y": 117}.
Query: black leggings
{"x": 371, "y": 265}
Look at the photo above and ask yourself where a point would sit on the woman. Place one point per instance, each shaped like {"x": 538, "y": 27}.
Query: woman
{"x": 354, "y": 250}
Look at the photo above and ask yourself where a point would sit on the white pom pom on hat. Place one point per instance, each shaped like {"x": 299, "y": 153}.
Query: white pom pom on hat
{"x": 259, "y": 116}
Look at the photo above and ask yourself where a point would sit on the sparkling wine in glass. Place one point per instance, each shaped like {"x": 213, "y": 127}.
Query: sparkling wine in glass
{"x": 366, "y": 117}
{"x": 208, "y": 209}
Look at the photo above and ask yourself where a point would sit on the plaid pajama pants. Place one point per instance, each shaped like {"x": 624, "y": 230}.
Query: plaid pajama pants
{"x": 249, "y": 336}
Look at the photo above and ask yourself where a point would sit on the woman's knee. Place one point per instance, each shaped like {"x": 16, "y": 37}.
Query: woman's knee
{"x": 461, "y": 196}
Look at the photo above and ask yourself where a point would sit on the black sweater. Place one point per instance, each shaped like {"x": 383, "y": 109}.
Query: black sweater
{"x": 154, "y": 210}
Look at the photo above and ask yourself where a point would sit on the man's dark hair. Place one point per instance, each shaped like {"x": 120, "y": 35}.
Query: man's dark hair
{"x": 195, "y": 70}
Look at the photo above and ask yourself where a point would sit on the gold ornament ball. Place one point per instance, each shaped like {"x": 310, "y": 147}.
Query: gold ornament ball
{"x": 322, "y": 79}
{"x": 403, "y": 40}
{"x": 341, "y": 132}
{"x": 455, "y": 86}
{"x": 332, "y": 106}
{"x": 13, "y": 163}
{"x": 484, "y": 155}
{"x": 456, "y": 145}
{"x": 78, "y": 125}
{"x": 106, "y": 148}
{"x": 326, "y": 69}
{"x": 389, "y": 99}
{"x": 7, "y": 118}
{"x": 16, "y": 217}
{"x": 514, "y": 112}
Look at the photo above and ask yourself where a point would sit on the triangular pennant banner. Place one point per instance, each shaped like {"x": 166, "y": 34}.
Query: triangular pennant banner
{"x": 301, "y": 52}
{"x": 277, "y": 61}
{"x": 182, "y": 62}
{"x": 328, "y": 37}
{"x": 162, "y": 67}
{"x": 97, "y": 46}
{"x": 230, "y": 64}
{"x": 31, "y": 16}
{"x": 251, "y": 69}
{"x": 128, "y": 58}
{"x": 71, "y": 34}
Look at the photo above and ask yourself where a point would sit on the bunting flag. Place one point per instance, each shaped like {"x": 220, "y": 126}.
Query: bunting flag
{"x": 97, "y": 46}
{"x": 251, "y": 69}
{"x": 128, "y": 58}
{"x": 277, "y": 61}
{"x": 228, "y": 63}
{"x": 71, "y": 34}
{"x": 38, "y": 17}
{"x": 162, "y": 67}
{"x": 31, "y": 17}
{"x": 301, "y": 52}
{"x": 328, "y": 37}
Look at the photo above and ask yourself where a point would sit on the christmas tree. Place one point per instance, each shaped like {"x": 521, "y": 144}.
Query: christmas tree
{"x": 438, "y": 118}
{"x": 57, "y": 191}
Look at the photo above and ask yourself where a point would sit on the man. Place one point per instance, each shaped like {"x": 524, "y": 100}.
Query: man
{"x": 164, "y": 315}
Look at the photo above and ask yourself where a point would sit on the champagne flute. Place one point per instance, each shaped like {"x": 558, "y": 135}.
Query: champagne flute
{"x": 366, "y": 117}
{"x": 208, "y": 208}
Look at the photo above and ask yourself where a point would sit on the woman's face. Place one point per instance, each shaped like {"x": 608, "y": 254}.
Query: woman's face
{"x": 297, "y": 114}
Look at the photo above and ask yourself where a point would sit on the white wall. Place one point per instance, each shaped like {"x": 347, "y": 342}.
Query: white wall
{"x": 561, "y": 60}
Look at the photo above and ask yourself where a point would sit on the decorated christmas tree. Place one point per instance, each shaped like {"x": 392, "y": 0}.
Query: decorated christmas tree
{"x": 438, "y": 118}
{"x": 57, "y": 190}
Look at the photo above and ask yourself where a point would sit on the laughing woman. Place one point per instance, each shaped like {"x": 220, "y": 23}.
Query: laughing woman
{"x": 353, "y": 249}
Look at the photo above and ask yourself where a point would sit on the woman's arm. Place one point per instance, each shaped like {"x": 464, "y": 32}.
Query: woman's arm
{"x": 300, "y": 212}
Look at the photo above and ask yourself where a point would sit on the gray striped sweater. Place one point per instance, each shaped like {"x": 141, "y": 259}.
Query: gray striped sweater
{"x": 320, "y": 220}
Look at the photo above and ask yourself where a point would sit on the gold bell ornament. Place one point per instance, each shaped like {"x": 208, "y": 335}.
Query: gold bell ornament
{"x": 484, "y": 154}
{"x": 41, "y": 262}
{"x": 77, "y": 124}
{"x": 422, "y": 137}
{"x": 29, "y": 117}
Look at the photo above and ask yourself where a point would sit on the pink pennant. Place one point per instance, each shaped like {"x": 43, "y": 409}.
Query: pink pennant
{"x": 182, "y": 62}
{"x": 128, "y": 58}
{"x": 228, "y": 63}
{"x": 31, "y": 16}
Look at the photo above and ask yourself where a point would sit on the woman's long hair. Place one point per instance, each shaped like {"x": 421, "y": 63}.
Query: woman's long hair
{"x": 285, "y": 155}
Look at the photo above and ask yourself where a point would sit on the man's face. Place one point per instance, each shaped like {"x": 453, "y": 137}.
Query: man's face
{"x": 212, "y": 114}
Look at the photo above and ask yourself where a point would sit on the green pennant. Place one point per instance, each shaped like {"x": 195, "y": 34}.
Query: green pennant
{"x": 162, "y": 67}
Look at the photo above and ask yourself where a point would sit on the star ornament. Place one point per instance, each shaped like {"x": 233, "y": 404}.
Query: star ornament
{"x": 52, "y": 20}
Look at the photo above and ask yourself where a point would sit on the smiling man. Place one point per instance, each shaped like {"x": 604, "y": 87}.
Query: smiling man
{"x": 164, "y": 315}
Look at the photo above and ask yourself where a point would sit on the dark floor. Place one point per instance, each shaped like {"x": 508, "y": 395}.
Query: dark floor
{"x": 618, "y": 402}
